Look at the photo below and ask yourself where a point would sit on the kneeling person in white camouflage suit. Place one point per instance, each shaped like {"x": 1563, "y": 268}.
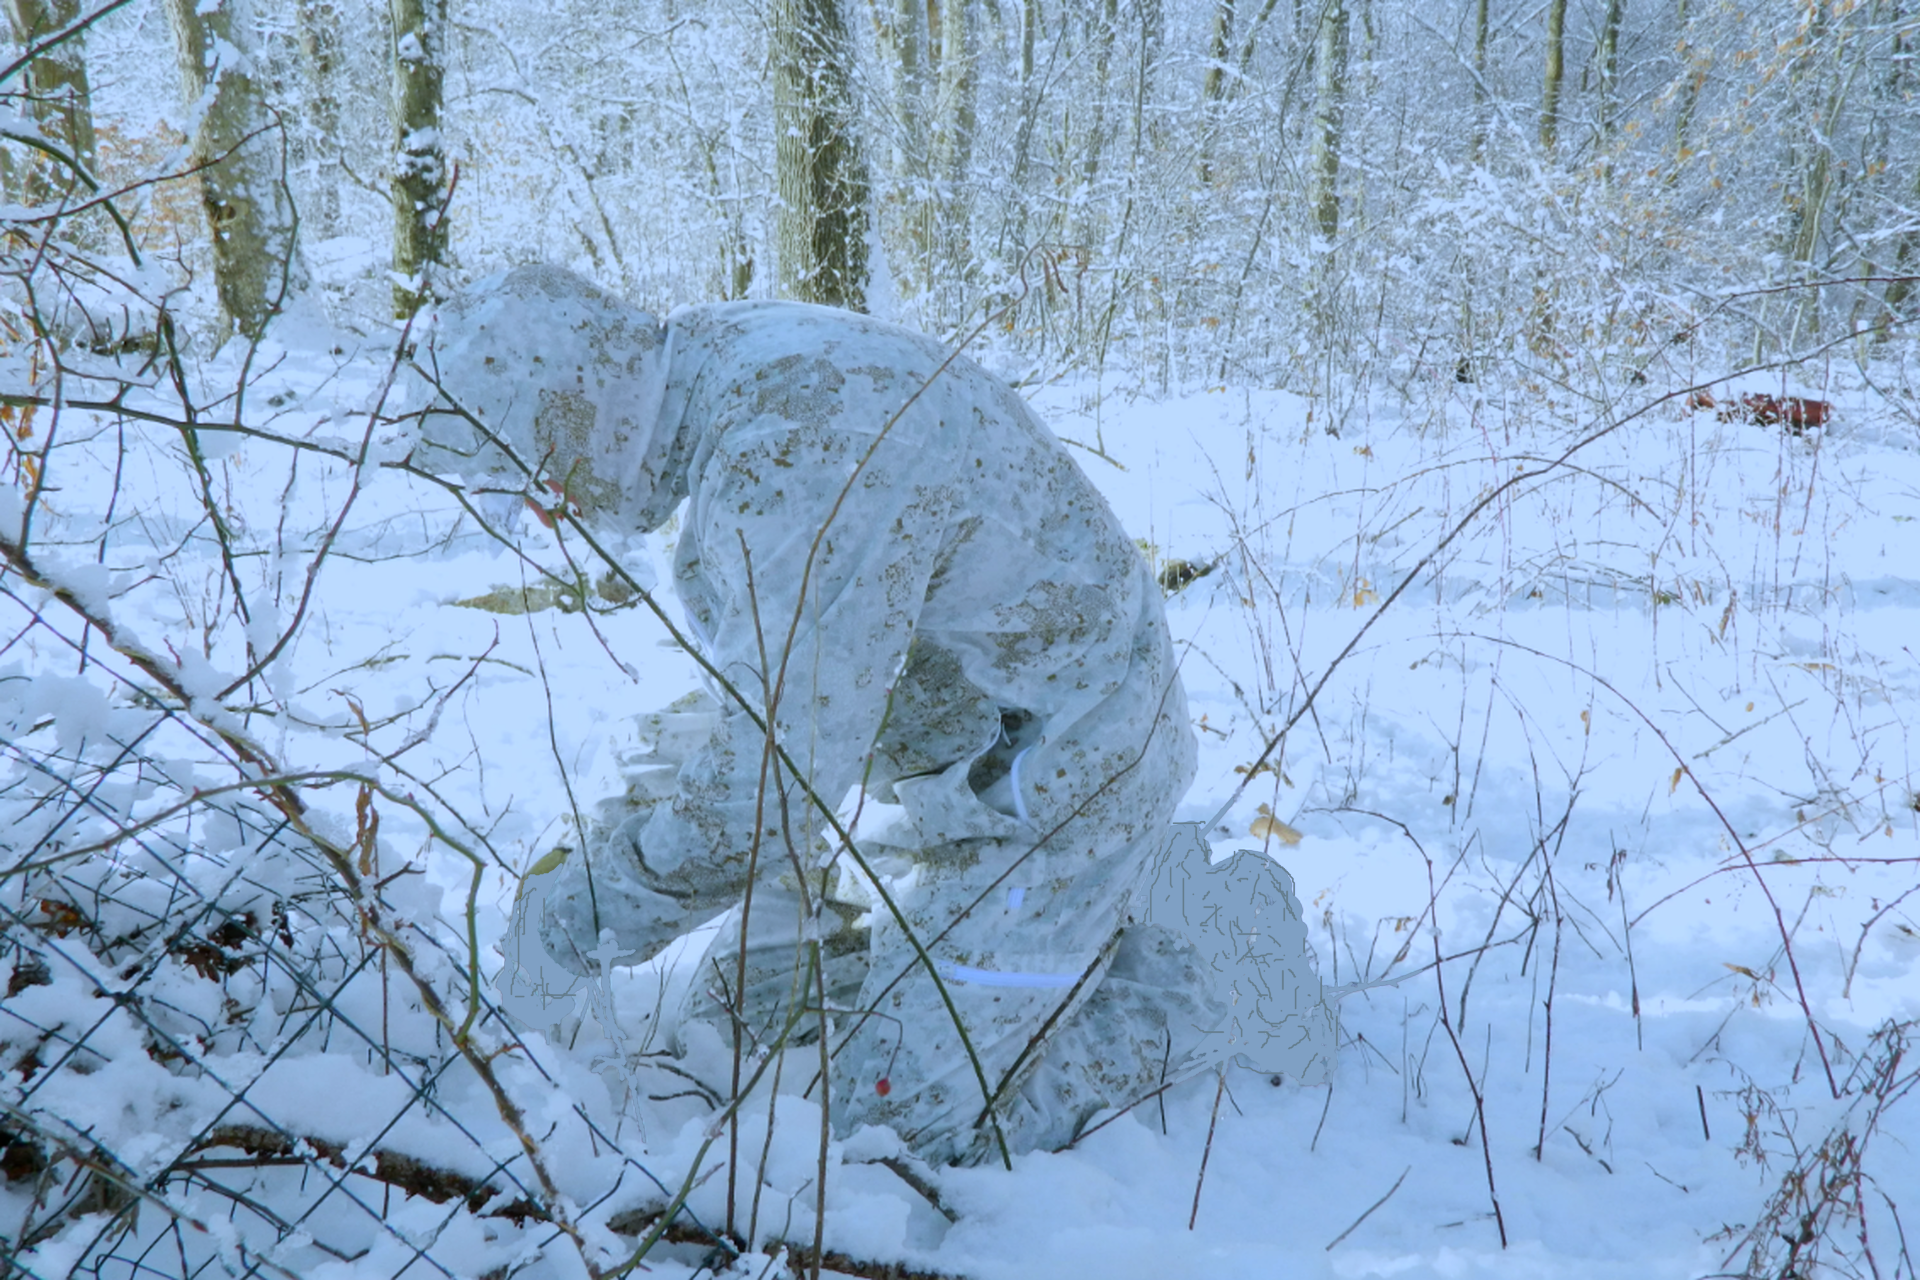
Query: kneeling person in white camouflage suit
{"x": 945, "y": 612}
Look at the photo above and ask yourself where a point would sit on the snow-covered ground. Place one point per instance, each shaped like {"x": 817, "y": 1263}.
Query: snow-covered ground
{"x": 1630, "y": 754}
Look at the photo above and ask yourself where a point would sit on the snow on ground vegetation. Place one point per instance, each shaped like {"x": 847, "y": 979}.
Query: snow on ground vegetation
{"x": 1604, "y": 811}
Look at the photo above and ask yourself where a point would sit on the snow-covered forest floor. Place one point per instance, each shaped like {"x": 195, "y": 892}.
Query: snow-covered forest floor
{"x": 1631, "y": 755}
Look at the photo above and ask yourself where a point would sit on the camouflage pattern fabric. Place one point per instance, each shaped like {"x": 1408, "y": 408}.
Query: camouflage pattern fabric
{"x": 884, "y": 550}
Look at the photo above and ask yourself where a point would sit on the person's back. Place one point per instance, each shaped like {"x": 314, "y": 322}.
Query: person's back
{"x": 1036, "y": 633}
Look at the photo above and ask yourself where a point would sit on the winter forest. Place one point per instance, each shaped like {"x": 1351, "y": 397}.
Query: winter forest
{"x": 1518, "y": 405}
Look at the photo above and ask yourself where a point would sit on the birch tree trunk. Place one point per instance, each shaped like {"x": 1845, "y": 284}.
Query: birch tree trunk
{"x": 822, "y": 225}
{"x": 419, "y": 155}
{"x": 1556, "y": 74}
{"x": 242, "y": 151}
{"x": 58, "y": 95}
{"x": 1330, "y": 85}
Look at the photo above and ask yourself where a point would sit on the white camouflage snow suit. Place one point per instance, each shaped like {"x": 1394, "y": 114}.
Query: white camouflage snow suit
{"x": 883, "y": 542}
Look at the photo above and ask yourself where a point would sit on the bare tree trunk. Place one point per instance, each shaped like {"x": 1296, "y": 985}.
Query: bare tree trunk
{"x": 243, "y": 186}
{"x": 1876, "y": 148}
{"x": 1556, "y": 74}
{"x": 1023, "y": 133}
{"x": 900, "y": 35}
{"x": 822, "y": 228}
{"x": 1212, "y": 85}
{"x": 1029, "y": 36}
{"x": 58, "y": 95}
{"x": 1814, "y": 161}
{"x": 1816, "y": 183}
{"x": 1245, "y": 62}
{"x": 1330, "y": 86}
{"x": 1103, "y": 35}
{"x": 953, "y": 148}
{"x": 1151, "y": 29}
{"x": 1608, "y": 55}
{"x": 1906, "y": 261}
{"x": 1694, "y": 68}
{"x": 959, "y": 87}
{"x": 319, "y": 22}
{"x": 419, "y": 158}
{"x": 1906, "y": 255}
{"x": 1479, "y": 147}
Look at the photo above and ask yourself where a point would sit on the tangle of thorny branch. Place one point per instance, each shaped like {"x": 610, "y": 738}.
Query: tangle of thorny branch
{"x": 267, "y": 777}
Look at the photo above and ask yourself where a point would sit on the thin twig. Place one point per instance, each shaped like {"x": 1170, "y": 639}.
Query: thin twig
{"x": 1479, "y": 1102}
{"x": 1207, "y": 1154}
{"x": 1733, "y": 835}
{"x": 1370, "y": 1208}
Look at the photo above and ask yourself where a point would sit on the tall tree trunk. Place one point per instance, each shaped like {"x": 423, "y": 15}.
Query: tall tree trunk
{"x": 1103, "y": 36}
{"x": 1608, "y": 56}
{"x": 1479, "y": 147}
{"x": 1244, "y": 64}
{"x": 1810, "y": 159}
{"x": 822, "y": 227}
{"x": 242, "y": 151}
{"x": 1029, "y": 38}
{"x": 1016, "y": 225}
{"x": 1556, "y": 74}
{"x": 1330, "y": 86}
{"x": 959, "y": 87}
{"x": 1694, "y": 67}
{"x": 58, "y": 95}
{"x": 953, "y": 149}
{"x": 1906, "y": 261}
{"x": 319, "y": 25}
{"x": 1906, "y": 254}
{"x": 1152, "y": 28}
{"x": 1213, "y": 83}
{"x": 419, "y": 156}
{"x": 900, "y": 36}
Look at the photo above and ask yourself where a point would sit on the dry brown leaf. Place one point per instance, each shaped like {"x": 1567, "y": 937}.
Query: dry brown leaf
{"x": 1269, "y": 827}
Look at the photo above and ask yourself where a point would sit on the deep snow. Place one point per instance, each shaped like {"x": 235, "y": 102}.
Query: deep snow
{"x": 1696, "y": 630}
